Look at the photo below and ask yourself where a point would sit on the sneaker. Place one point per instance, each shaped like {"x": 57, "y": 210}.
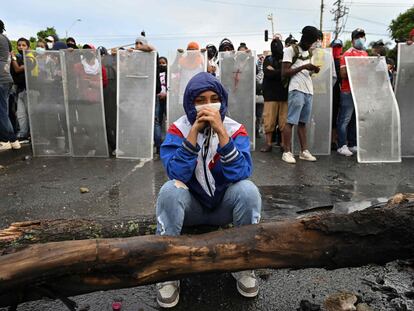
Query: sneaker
{"x": 353, "y": 149}
{"x": 344, "y": 150}
{"x": 288, "y": 157}
{"x": 15, "y": 144}
{"x": 168, "y": 294}
{"x": 307, "y": 156}
{"x": 247, "y": 284}
{"x": 5, "y": 145}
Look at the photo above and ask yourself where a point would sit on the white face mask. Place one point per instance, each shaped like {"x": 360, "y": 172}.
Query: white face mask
{"x": 50, "y": 45}
{"x": 214, "y": 106}
{"x": 40, "y": 50}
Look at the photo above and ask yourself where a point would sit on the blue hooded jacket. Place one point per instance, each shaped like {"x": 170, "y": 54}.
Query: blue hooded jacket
{"x": 207, "y": 171}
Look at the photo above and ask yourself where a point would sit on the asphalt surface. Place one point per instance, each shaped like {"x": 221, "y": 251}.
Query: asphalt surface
{"x": 36, "y": 188}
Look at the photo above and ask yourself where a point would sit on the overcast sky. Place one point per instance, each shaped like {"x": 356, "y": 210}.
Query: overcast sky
{"x": 171, "y": 24}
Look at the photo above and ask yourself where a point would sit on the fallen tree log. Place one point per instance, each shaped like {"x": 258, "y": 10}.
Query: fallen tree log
{"x": 374, "y": 235}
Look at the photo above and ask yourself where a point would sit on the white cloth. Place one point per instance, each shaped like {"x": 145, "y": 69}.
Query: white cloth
{"x": 302, "y": 80}
{"x": 90, "y": 69}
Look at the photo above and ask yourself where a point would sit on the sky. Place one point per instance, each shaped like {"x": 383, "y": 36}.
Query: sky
{"x": 171, "y": 24}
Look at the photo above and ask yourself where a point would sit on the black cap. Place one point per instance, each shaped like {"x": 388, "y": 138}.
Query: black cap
{"x": 2, "y": 28}
{"x": 358, "y": 33}
{"x": 310, "y": 34}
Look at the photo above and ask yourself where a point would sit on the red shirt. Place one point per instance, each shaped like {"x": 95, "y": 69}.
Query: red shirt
{"x": 345, "y": 87}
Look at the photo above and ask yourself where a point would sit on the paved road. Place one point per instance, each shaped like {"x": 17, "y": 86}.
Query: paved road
{"x": 49, "y": 188}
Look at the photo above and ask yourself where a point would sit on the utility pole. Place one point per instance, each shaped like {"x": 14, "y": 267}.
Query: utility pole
{"x": 270, "y": 18}
{"x": 339, "y": 13}
{"x": 321, "y": 19}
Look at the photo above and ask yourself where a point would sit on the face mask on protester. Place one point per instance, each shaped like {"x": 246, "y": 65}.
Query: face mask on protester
{"x": 214, "y": 106}
{"x": 316, "y": 45}
{"x": 360, "y": 44}
{"x": 163, "y": 68}
{"x": 40, "y": 50}
{"x": 49, "y": 45}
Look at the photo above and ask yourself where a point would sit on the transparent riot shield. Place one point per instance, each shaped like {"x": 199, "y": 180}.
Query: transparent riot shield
{"x": 238, "y": 76}
{"x": 136, "y": 104}
{"x": 319, "y": 127}
{"x": 185, "y": 66}
{"x": 84, "y": 90}
{"x": 376, "y": 110}
{"x": 404, "y": 91}
{"x": 46, "y": 104}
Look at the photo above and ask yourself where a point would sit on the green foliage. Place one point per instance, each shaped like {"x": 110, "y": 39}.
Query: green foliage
{"x": 49, "y": 31}
{"x": 347, "y": 45}
{"x": 402, "y": 25}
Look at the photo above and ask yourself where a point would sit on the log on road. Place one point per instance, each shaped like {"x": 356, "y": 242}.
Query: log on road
{"x": 374, "y": 235}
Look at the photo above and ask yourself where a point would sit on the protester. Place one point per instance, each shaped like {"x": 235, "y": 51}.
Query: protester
{"x": 297, "y": 66}
{"x": 378, "y": 49}
{"x": 49, "y": 42}
{"x": 410, "y": 39}
{"x": 212, "y": 59}
{"x": 161, "y": 103}
{"x": 259, "y": 94}
{"x": 347, "y": 128}
{"x": 207, "y": 158}
{"x": 226, "y": 45}
{"x": 8, "y": 138}
{"x": 290, "y": 40}
{"x": 71, "y": 43}
{"x": 242, "y": 47}
{"x": 18, "y": 74}
{"x": 275, "y": 94}
{"x": 336, "y": 46}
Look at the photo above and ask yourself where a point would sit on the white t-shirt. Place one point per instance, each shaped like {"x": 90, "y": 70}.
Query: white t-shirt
{"x": 302, "y": 80}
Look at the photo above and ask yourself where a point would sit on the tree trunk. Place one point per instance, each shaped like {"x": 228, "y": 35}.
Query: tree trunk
{"x": 374, "y": 235}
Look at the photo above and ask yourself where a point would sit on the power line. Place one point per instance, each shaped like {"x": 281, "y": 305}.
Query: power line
{"x": 378, "y": 4}
{"x": 258, "y": 6}
{"x": 367, "y": 20}
{"x": 339, "y": 13}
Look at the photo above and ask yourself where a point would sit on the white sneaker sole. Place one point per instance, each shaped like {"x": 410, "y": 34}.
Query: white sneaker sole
{"x": 169, "y": 305}
{"x": 244, "y": 294}
{"x": 306, "y": 159}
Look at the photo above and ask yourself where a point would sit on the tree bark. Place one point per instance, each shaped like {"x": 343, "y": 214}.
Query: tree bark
{"x": 374, "y": 235}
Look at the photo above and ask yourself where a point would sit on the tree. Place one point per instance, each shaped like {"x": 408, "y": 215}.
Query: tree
{"x": 402, "y": 25}
{"x": 49, "y": 31}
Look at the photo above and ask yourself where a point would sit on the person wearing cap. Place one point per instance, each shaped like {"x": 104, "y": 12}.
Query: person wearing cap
{"x": 297, "y": 66}
{"x": 346, "y": 125}
{"x": 8, "y": 138}
{"x": 226, "y": 45}
{"x": 207, "y": 159}
{"x": 49, "y": 42}
{"x": 71, "y": 43}
{"x": 336, "y": 46}
{"x": 290, "y": 40}
{"x": 212, "y": 59}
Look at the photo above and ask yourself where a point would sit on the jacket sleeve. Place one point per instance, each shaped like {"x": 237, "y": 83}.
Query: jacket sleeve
{"x": 235, "y": 157}
{"x": 178, "y": 156}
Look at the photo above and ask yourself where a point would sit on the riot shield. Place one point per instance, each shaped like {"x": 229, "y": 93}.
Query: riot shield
{"x": 46, "y": 104}
{"x": 185, "y": 66}
{"x": 319, "y": 127}
{"x": 376, "y": 110}
{"x": 404, "y": 91}
{"x": 136, "y": 104}
{"x": 238, "y": 76}
{"x": 84, "y": 90}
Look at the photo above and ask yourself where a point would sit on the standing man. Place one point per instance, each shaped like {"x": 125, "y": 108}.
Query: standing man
{"x": 7, "y": 136}
{"x": 345, "y": 126}
{"x": 297, "y": 67}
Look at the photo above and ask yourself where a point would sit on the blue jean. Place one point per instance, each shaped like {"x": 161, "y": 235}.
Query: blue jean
{"x": 176, "y": 207}
{"x": 22, "y": 115}
{"x": 6, "y": 128}
{"x": 346, "y": 126}
{"x": 299, "y": 107}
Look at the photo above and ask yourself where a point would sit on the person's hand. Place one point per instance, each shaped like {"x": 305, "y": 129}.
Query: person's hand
{"x": 70, "y": 49}
{"x": 203, "y": 50}
{"x": 180, "y": 50}
{"x": 211, "y": 69}
{"x": 268, "y": 67}
{"x": 213, "y": 117}
{"x": 13, "y": 54}
{"x": 162, "y": 95}
{"x": 409, "y": 42}
{"x": 199, "y": 125}
{"x": 311, "y": 67}
{"x": 130, "y": 50}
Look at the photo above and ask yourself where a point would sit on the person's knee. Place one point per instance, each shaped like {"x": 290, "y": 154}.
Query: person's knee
{"x": 249, "y": 200}
{"x": 173, "y": 194}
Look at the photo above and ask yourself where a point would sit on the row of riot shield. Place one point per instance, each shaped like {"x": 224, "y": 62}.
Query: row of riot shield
{"x": 319, "y": 127}
{"x": 65, "y": 103}
{"x": 404, "y": 91}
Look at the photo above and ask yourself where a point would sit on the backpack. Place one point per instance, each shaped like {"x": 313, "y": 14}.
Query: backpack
{"x": 296, "y": 56}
